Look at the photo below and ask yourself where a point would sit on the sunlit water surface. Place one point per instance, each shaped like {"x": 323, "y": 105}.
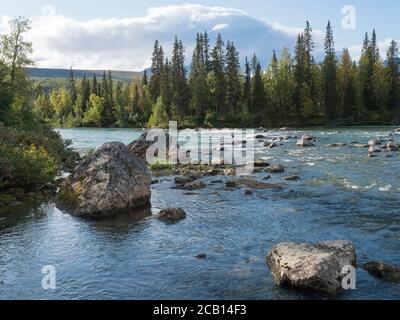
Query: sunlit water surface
{"x": 343, "y": 194}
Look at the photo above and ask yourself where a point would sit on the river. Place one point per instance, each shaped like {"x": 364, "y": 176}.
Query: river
{"x": 343, "y": 194}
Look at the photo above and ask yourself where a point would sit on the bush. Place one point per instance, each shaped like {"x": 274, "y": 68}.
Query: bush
{"x": 41, "y": 137}
{"x": 158, "y": 166}
{"x": 26, "y": 165}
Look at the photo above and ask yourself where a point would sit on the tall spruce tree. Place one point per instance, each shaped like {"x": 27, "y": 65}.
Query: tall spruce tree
{"x": 178, "y": 81}
{"x": 157, "y": 66}
{"x": 218, "y": 74}
{"x": 347, "y": 91}
{"x": 247, "y": 87}
{"x": 393, "y": 72}
{"x": 72, "y": 85}
{"x": 329, "y": 76}
{"x": 198, "y": 83}
{"x": 233, "y": 84}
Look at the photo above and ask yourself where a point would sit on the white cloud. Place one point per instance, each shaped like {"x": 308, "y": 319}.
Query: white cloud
{"x": 220, "y": 26}
{"x": 126, "y": 44}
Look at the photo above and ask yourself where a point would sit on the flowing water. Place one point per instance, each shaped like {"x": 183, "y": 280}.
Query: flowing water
{"x": 343, "y": 194}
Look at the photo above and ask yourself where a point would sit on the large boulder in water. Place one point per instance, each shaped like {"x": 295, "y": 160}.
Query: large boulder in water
{"x": 110, "y": 180}
{"x": 311, "y": 267}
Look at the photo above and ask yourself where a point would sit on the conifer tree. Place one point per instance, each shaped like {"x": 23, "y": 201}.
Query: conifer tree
{"x": 329, "y": 76}
{"x": 178, "y": 81}
{"x": 393, "y": 73}
{"x": 233, "y": 84}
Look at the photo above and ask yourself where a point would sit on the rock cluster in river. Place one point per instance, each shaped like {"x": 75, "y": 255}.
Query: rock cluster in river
{"x": 108, "y": 181}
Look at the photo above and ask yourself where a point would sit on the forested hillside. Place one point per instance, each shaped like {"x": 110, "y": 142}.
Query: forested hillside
{"x": 293, "y": 90}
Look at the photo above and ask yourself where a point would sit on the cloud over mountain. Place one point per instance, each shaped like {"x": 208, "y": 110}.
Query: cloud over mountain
{"x": 126, "y": 44}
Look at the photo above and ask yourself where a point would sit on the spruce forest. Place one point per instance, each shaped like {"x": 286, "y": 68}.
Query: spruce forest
{"x": 217, "y": 91}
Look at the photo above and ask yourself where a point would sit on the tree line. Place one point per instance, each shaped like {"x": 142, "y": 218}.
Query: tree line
{"x": 294, "y": 89}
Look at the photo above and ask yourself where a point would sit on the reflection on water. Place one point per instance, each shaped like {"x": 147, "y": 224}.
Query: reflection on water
{"x": 342, "y": 194}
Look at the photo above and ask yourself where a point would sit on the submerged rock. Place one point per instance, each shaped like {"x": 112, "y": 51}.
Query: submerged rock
{"x": 292, "y": 178}
{"x": 383, "y": 271}
{"x": 171, "y": 215}
{"x": 194, "y": 185}
{"x": 110, "y": 180}
{"x": 258, "y": 163}
{"x": 336, "y": 145}
{"x": 250, "y": 183}
{"x": 312, "y": 267}
{"x": 276, "y": 168}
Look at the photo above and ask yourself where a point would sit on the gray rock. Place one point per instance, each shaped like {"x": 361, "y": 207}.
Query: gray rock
{"x": 250, "y": 183}
{"x": 305, "y": 141}
{"x": 374, "y": 142}
{"x": 195, "y": 185}
{"x": 392, "y": 146}
{"x": 185, "y": 180}
{"x": 276, "y": 168}
{"x": 258, "y": 163}
{"x": 261, "y": 136}
{"x": 110, "y": 180}
{"x": 171, "y": 215}
{"x": 314, "y": 267}
{"x": 383, "y": 271}
{"x": 374, "y": 149}
{"x": 270, "y": 145}
{"x": 307, "y": 137}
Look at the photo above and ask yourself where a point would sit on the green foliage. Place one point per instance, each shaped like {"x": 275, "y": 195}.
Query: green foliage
{"x": 158, "y": 166}
{"x": 26, "y": 165}
{"x": 94, "y": 116}
{"x": 159, "y": 118}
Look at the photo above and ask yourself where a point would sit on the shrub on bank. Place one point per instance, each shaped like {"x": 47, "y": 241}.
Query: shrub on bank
{"x": 26, "y": 165}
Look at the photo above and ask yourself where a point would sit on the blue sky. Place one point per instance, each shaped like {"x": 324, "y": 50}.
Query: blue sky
{"x": 383, "y": 15}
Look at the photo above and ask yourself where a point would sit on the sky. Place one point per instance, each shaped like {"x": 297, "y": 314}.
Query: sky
{"x": 119, "y": 34}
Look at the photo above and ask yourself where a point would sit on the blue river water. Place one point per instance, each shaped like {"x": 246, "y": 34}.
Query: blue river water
{"x": 342, "y": 194}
